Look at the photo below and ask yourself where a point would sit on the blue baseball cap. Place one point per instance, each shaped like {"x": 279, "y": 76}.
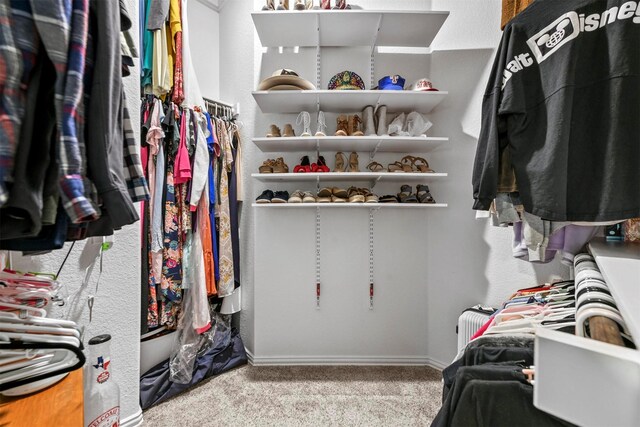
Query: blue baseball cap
{"x": 391, "y": 83}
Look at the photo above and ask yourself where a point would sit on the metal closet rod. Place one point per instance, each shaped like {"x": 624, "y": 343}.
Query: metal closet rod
{"x": 226, "y": 109}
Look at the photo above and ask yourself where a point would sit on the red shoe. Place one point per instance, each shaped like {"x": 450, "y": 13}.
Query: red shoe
{"x": 322, "y": 165}
{"x": 304, "y": 166}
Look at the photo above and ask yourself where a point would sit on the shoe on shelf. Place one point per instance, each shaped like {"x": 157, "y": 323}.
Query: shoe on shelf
{"x": 269, "y": 6}
{"x": 381, "y": 121}
{"x": 424, "y": 196}
{"x": 322, "y": 125}
{"x": 322, "y": 165}
{"x": 304, "y": 119}
{"x": 395, "y": 167}
{"x": 265, "y": 197}
{"x": 304, "y": 165}
{"x": 368, "y": 121}
{"x": 355, "y": 195}
{"x": 354, "y": 125}
{"x": 340, "y": 192}
{"x": 343, "y": 126}
{"x": 308, "y": 197}
{"x": 341, "y": 4}
{"x": 416, "y": 124}
{"x": 280, "y": 197}
{"x": 299, "y": 5}
{"x": 325, "y": 4}
{"x": 408, "y": 164}
{"x": 369, "y": 197}
{"x": 267, "y": 166}
{"x": 309, "y": 4}
{"x": 375, "y": 167}
{"x": 422, "y": 165}
{"x": 336, "y": 199}
{"x": 284, "y": 5}
{"x": 274, "y": 132}
{"x": 296, "y": 197}
{"x": 279, "y": 166}
{"x": 353, "y": 162}
{"x": 405, "y": 195}
{"x": 389, "y": 198}
{"x": 325, "y": 192}
{"x": 288, "y": 130}
{"x": 340, "y": 162}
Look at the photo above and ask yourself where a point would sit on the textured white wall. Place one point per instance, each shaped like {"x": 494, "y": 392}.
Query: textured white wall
{"x": 204, "y": 37}
{"x": 116, "y": 309}
{"x": 468, "y": 261}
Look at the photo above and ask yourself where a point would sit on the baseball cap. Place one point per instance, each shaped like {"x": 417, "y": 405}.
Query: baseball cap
{"x": 395, "y": 82}
{"x": 422, "y": 84}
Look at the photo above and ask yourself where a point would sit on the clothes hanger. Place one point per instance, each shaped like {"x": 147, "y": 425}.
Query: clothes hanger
{"x": 24, "y": 308}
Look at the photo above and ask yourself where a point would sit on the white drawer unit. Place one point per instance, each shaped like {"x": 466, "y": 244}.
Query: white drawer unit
{"x": 587, "y": 382}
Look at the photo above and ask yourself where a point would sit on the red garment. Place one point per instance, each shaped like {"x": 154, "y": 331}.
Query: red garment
{"x": 178, "y": 78}
{"x": 182, "y": 166}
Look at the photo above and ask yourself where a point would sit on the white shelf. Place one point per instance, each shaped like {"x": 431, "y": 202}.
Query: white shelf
{"x": 356, "y": 27}
{"x": 350, "y": 205}
{"x": 346, "y": 101}
{"x": 381, "y": 144}
{"x": 619, "y": 263}
{"x": 347, "y": 176}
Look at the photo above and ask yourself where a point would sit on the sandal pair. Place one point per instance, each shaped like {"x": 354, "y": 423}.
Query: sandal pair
{"x": 422, "y": 195}
{"x": 410, "y": 164}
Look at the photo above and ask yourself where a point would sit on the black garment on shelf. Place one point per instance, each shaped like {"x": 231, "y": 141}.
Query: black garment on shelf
{"x": 233, "y": 214}
{"x": 485, "y": 403}
{"x": 155, "y": 386}
{"x": 564, "y": 97}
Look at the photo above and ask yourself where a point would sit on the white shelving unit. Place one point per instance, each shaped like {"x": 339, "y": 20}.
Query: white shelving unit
{"x": 347, "y": 177}
{"x": 346, "y": 101}
{"x": 587, "y": 382}
{"x": 350, "y": 205}
{"x": 346, "y": 325}
{"x": 357, "y": 28}
{"x": 371, "y": 144}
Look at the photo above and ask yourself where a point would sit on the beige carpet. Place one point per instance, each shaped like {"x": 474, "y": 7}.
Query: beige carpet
{"x": 307, "y": 396}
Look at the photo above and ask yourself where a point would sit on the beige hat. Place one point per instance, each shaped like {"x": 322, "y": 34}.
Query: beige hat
{"x": 284, "y": 79}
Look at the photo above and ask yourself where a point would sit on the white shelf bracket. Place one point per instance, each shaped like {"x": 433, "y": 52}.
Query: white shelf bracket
{"x": 318, "y": 186}
{"x": 318, "y": 258}
{"x": 373, "y": 51}
{"x": 318, "y": 52}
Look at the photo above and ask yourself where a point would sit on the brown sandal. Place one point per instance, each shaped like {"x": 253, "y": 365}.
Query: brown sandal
{"x": 340, "y": 162}
{"x": 375, "y": 167}
{"x": 395, "y": 167}
{"x": 424, "y": 167}
{"x": 407, "y": 164}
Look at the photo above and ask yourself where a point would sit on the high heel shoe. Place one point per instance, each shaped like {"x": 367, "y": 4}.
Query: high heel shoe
{"x": 340, "y": 162}
{"x": 304, "y": 119}
{"x": 343, "y": 126}
{"x": 322, "y": 126}
{"x": 354, "y": 125}
{"x": 274, "y": 132}
{"x": 353, "y": 162}
{"x": 288, "y": 130}
{"x": 269, "y": 6}
{"x": 304, "y": 166}
{"x": 322, "y": 165}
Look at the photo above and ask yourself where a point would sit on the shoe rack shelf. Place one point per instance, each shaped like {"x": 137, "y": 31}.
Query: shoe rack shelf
{"x": 357, "y": 28}
{"x": 348, "y": 176}
{"x": 346, "y": 101}
{"x": 351, "y": 205}
{"x": 370, "y": 144}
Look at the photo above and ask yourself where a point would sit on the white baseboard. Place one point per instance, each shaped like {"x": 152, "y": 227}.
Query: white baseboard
{"x": 134, "y": 420}
{"x": 344, "y": 360}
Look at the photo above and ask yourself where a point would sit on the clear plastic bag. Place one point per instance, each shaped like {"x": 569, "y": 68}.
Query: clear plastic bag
{"x": 191, "y": 344}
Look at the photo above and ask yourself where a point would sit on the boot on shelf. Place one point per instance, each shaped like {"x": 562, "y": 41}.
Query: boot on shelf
{"x": 368, "y": 121}
{"x": 381, "y": 115}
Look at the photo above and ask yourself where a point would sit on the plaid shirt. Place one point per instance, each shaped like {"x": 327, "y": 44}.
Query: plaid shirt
{"x": 61, "y": 27}
{"x": 12, "y": 94}
{"x": 136, "y": 182}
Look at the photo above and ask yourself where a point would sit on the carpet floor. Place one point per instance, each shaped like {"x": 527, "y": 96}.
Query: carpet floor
{"x": 307, "y": 396}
